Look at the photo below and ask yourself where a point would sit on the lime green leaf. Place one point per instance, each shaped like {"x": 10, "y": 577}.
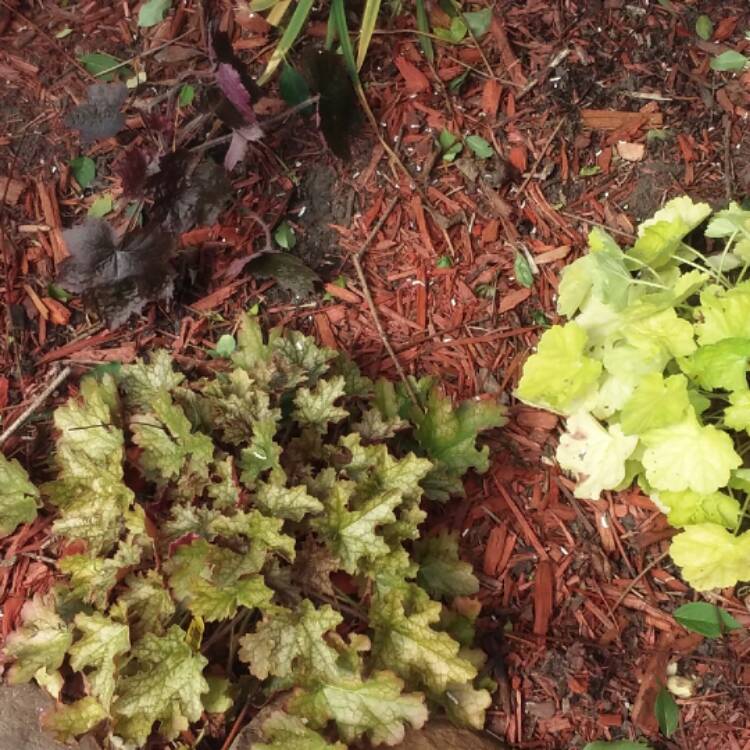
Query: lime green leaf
{"x": 724, "y": 314}
{"x": 479, "y": 146}
{"x": 685, "y": 508}
{"x": 737, "y": 414}
{"x": 652, "y": 331}
{"x": 316, "y": 407}
{"x": 660, "y": 237}
{"x": 560, "y": 373}
{"x": 284, "y": 732}
{"x": 731, "y": 60}
{"x": 375, "y": 707}
{"x": 264, "y": 532}
{"x": 164, "y": 684}
{"x": 594, "y": 455}
{"x": 710, "y": 556}
{"x": 213, "y": 582}
{"x": 455, "y": 33}
{"x": 18, "y": 496}
{"x": 218, "y": 699}
{"x": 732, "y": 222}
{"x": 152, "y": 12}
{"x": 289, "y": 641}
{"x": 351, "y": 534}
{"x": 186, "y": 95}
{"x": 590, "y": 170}
{"x": 99, "y": 64}
{"x": 720, "y": 365}
{"x": 285, "y": 236}
{"x": 143, "y": 383}
{"x": 225, "y": 345}
{"x": 602, "y": 273}
{"x": 286, "y": 502}
{"x": 146, "y": 604}
{"x": 656, "y": 402}
{"x": 38, "y": 647}
{"x": 101, "y": 206}
{"x": 667, "y": 712}
{"x": 97, "y": 652}
{"x": 706, "y": 619}
{"x": 74, "y": 719}
{"x": 478, "y": 21}
{"x": 704, "y": 28}
{"x": 441, "y": 571}
{"x": 84, "y": 171}
{"x": 407, "y": 644}
{"x": 689, "y": 456}
{"x": 465, "y": 705}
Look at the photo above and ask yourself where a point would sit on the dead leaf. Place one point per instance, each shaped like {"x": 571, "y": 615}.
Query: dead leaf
{"x": 416, "y": 80}
{"x": 631, "y": 151}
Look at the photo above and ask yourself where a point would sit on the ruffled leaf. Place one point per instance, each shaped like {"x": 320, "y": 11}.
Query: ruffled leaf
{"x": 18, "y": 496}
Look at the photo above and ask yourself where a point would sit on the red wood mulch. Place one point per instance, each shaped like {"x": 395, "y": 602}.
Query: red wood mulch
{"x": 577, "y": 596}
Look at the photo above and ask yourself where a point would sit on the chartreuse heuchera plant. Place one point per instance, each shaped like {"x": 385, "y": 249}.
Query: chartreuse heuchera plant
{"x": 650, "y": 372}
{"x": 252, "y": 536}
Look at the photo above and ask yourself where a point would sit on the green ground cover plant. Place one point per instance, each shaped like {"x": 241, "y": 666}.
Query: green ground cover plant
{"x": 252, "y": 534}
{"x": 650, "y": 372}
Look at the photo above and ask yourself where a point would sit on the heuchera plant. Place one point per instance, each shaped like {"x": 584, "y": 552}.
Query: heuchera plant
{"x": 650, "y": 371}
{"x": 252, "y": 536}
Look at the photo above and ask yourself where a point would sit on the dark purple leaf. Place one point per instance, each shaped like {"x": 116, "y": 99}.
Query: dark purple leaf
{"x": 186, "y": 196}
{"x": 117, "y": 278}
{"x": 99, "y": 116}
{"x": 131, "y": 169}
{"x": 238, "y": 146}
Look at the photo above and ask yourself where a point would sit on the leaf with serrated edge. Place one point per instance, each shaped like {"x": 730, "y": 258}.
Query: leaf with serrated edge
{"x": 39, "y": 645}
{"x": 97, "y": 651}
{"x": 288, "y": 641}
{"x": 164, "y": 684}
{"x": 74, "y": 719}
{"x": 284, "y": 732}
{"x": 375, "y": 707}
{"x": 18, "y": 496}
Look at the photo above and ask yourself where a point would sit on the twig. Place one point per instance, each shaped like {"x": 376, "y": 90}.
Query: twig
{"x": 634, "y": 582}
{"x": 36, "y": 403}
{"x": 728, "y": 164}
{"x": 371, "y": 303}
{"x": 539, "y": 158}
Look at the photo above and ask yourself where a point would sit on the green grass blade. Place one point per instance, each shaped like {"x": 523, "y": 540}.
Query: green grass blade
{"x": 339, "y": 19}
{"x": 276, "y": 16}
{"x": 258, "y": 6}
{"x": 330, "y": 32}
{"x": 369, "y": 19}
{"x": 423, "y": 24}
{"x": 288, "y": 38}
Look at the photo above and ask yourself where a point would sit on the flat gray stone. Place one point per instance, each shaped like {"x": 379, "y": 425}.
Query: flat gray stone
{"x": 21, "y": 708}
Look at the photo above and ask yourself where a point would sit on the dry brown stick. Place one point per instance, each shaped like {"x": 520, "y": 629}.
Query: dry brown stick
{"x": 356, "y": 258}
{"x": 634, "y": 582}
{"x": 538, "y": 161}
{"x": 36, "y": 403}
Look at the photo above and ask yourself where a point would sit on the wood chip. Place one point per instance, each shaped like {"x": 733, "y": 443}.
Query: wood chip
{"x": 11, "y": 190}
{"x": 612, "y": 119}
